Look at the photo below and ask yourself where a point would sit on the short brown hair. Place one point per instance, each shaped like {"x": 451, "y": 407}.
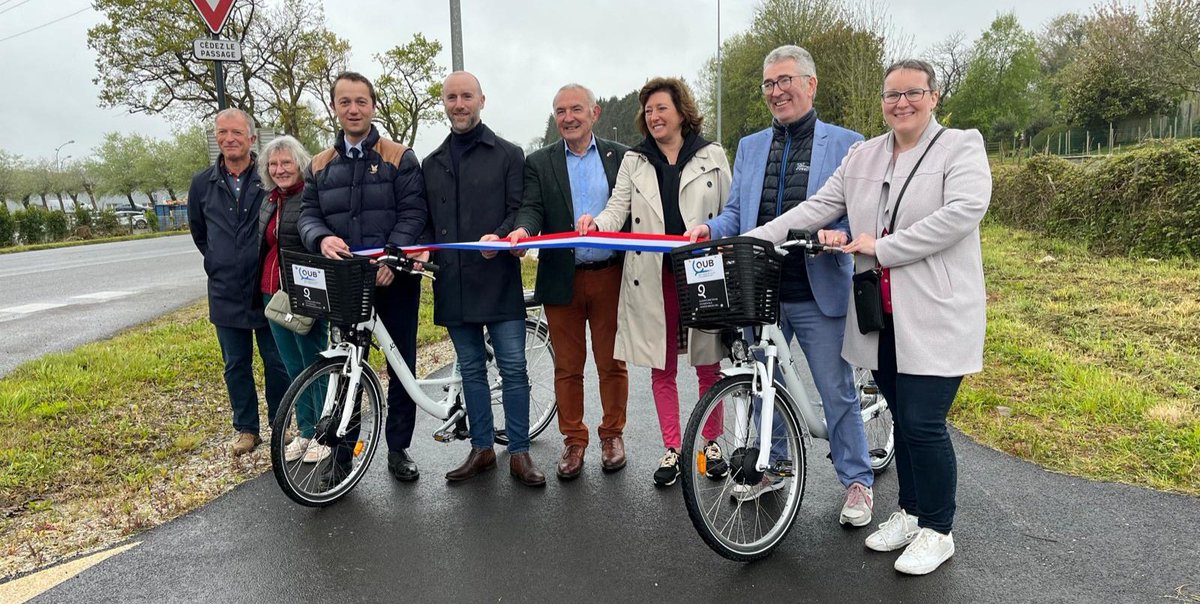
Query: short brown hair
{"x": 680, "y": 95}
{"x": 353, "y": 76}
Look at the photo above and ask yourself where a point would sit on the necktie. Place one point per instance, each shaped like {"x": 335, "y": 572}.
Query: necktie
{"x": 355, "y": 153}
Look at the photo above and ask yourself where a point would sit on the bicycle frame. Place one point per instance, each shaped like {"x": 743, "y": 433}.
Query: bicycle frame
{"x": 441, "y": 409}
{"x": 777, "y": 354}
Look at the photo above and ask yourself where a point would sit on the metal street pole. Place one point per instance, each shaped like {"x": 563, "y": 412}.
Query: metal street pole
{"x": 57, "y": 165}
{"x": 719, "y": 70}
{"x": 456, "y": 53}
{"x": 219, "y": 70}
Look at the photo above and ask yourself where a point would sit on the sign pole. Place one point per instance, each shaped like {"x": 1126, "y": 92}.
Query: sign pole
{"x": 219, "y": 68}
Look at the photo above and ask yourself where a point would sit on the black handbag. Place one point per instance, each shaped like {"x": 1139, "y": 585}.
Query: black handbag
{"x": 868, "y": 294}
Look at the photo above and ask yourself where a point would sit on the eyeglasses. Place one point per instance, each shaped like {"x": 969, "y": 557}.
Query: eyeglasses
{"x": 784, "y": 82}
{"x": 892, "y": 97}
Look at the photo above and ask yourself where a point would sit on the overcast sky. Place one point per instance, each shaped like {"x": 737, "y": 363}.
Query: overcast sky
{"x": 522, "y": 52}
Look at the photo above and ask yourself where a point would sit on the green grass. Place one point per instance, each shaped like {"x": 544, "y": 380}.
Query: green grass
{"x": 78, "y": 242}
{"x": 1094, "y": 360}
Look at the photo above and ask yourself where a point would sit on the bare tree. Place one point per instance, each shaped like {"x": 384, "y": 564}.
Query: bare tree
{"x": 950, "y": 58}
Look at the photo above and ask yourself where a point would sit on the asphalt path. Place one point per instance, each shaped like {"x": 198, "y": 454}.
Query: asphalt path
{"x": 55, "y": 300}
{"x": 1022, "y": 535}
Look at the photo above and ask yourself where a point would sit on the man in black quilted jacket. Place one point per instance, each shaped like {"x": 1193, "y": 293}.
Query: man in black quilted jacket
{"x": 363, "y": 193}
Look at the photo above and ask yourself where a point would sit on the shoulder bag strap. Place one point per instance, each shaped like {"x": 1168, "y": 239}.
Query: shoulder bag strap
{"x": 896, "y": 208}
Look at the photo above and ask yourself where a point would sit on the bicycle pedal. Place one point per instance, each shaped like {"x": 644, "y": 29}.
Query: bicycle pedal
{"x": 444, "y": 436}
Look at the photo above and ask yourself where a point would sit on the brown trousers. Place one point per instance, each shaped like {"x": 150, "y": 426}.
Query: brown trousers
{"x": 594, "y": 300}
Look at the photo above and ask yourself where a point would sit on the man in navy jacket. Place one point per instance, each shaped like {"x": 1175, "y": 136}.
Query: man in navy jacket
{"x": 775, "y": 170}
{"x": 223, "y": 203}
{"x": 363, "y": 193}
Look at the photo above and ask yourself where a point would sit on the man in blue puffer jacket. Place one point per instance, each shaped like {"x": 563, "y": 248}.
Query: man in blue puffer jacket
{"x": 365, "y": 192}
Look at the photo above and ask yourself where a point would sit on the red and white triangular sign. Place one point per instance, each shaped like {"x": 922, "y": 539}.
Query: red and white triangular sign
{"x": 214, "y": 13}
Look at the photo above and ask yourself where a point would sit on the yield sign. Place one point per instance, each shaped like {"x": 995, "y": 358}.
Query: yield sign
{"x": 214, "y": 12}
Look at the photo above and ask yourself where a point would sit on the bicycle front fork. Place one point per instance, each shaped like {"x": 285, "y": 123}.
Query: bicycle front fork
{"x": 764, "y": 384}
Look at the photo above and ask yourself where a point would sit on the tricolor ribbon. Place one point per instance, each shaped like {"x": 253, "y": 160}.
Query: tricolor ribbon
{"x": 630, "y": 242}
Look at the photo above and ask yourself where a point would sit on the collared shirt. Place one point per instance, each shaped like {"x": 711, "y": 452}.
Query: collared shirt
{"x": 358, "y": 146}
{"x": 589, "y": 192}
{"x": 238, "y": 182}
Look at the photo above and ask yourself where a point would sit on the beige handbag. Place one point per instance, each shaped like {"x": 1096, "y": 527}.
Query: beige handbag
{"x": 279, "y": 311}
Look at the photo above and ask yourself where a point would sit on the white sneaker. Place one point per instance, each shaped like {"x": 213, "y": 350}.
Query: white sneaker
{"x": 927, "y": 552}
{"x": 899, "y": 530}
{"x": 745, "y": 492}
{"x": 295, "y": 449}
{"x": 860, "y": 500}
{"x": 316, "y": 453}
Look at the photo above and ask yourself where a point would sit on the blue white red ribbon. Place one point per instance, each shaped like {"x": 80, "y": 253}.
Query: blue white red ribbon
{"x": 630, "y": 242}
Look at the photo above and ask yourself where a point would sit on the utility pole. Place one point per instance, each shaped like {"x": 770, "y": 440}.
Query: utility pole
{"x": 720, "y": 68}
{"x": 58, "y": 164}
{"x": 456, "y": 55}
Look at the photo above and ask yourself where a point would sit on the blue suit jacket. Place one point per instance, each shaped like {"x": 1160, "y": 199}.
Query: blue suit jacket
{"x": 828, "y": 274}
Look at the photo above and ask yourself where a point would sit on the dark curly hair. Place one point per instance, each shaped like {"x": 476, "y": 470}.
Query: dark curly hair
{"x": 680, "y": 95}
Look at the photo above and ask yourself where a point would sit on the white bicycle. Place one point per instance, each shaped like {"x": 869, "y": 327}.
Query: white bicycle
{"x": 745, "y": 507}
{"x": 319, "y": 405}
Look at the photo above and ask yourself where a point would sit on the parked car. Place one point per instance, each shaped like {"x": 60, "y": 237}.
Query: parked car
{"x": 134, "y": 218}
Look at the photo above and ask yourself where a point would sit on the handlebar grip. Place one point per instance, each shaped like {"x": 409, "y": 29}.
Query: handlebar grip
{"x": 430, "y": 267}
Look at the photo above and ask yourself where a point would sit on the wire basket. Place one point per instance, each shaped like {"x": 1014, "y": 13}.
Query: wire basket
{"x": 727, "y": 283}
{"x": 342, "y": 291}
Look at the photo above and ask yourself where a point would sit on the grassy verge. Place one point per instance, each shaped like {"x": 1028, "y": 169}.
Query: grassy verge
{"x": 1091, "y": 363}
{"x": 119, "y": 436}
{"x": 78, "y": 242}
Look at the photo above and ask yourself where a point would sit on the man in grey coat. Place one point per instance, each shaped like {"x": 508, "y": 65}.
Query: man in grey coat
{"x": 223, "y": 204}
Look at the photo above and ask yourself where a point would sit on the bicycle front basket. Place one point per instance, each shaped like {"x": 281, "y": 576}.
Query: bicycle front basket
{"x": 341, "y": 291}
{"x": 727, "y": 283}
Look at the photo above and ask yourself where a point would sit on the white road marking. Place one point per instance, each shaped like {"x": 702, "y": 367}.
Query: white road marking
{"x": 100, "y": 296}
{"x": 30, "y": 586}
{"x": 35, "y": 307}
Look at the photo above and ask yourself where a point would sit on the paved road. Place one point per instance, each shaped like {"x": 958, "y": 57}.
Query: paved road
{"x": 1023, "y": 535}
{"x": 53, "y": 300}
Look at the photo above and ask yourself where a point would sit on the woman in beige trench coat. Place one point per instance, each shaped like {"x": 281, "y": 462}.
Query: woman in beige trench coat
{"x": 670, "y": 182}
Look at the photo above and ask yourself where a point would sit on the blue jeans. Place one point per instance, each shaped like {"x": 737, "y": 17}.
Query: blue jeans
{"x": 925, "y": 464}
{"x": 237, "y": 350}
{"x": 508, "y": 343}
{"x": 298, "y": 352}
{"x": 820, "y": 338}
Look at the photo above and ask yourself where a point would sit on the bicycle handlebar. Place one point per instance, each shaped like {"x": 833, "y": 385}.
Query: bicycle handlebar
{"x": 806, "y": 240}
{"x": 394, "y": 258}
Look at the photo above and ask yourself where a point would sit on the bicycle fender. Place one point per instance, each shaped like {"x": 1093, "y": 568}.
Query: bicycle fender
{"x": 333, "y": 353}
{"x": 732, "y": 371}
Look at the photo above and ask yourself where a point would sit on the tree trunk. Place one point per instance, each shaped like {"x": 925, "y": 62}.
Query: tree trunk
{"x": 25, "y": 202}
{"x": 62, "y": 206}
{"x": 130, "y": 197}
{"x": 171, "y": 192}
{"x": 91, "y": 196}
{"x": 44, "y": 204}
{"x": 150, "y": 195}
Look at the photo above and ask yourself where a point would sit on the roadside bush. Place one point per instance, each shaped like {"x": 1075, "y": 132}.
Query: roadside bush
{"x": 1144, "y": 202}
{"x": 30, "y": 224}
{"x": 152, "y": 220}
{"x": 57, "y": 227}
{"x": 108, "y": 223}
{"x": 7, "y": 228}
{"x": 83, "y": 216}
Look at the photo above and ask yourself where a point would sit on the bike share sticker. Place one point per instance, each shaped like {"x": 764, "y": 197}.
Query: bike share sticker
{"x": 706, "y": 280}
{"x": 309, "y": 288}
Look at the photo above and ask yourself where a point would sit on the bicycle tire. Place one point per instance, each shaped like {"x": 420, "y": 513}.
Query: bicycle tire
{"x": 323, "y": 482}
{"x": 879, "y": 428}
{"x": 539, "y": 366}
{"x": 742, "y": 515}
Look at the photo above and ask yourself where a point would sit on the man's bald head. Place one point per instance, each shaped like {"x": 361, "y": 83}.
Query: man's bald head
{"x": 462, "y": 97}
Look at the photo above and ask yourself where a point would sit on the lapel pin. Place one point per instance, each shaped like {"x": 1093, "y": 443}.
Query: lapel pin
{"x": 374, "y": 168}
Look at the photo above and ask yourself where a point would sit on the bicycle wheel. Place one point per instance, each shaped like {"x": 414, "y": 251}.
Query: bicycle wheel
{"x": 881, "y": 442}
{"x": 539, "y": 365}
{"x": 324, "y": 466}
{"x": 742, "y": 513}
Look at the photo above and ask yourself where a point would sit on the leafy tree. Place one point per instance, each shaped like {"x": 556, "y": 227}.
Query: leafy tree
{"x": 410, "y": 87}
{"x": 116, "y": 161}
{"x": 1174, "y": 37}
{"x": 144, "y": 60}
{"x": 999, "y": 94}
{"x": 9, "y": 165}
{"x": 847, "y": 43}
{"x": 183, "y": 156}
{"x": 618, "y": 121}
{"x": 1100, "y": 86}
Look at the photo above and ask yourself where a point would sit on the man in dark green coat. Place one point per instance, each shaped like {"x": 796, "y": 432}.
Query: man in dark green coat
{"x": 563, "y": 181}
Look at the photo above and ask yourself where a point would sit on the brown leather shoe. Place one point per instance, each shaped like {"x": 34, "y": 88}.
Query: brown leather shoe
{"x": 571, "y": 464}
{"x": 479, "y": 460}
{"x": 520, "y": 465}
{"x": 612, "y": 453}
{"x": 244, "y": 443}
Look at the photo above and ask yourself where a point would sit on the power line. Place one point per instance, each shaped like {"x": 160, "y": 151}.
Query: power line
{"x": 44, "y": 24}
{"x": 5, "y": 2}
{"x": 13, "y": 6}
